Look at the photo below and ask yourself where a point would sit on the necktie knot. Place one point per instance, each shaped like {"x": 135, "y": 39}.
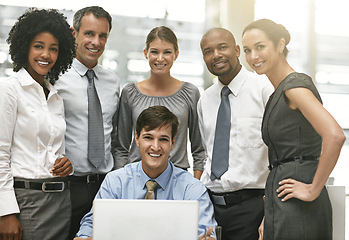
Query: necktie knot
{"x": 90, "y": 75}
{"x": 225, "y": 91}
{"x": 151, "y": 186}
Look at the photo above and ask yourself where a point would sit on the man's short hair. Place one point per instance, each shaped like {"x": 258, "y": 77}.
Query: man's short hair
{"x": 157, "y": 116}
{"x": 97, "y": 11}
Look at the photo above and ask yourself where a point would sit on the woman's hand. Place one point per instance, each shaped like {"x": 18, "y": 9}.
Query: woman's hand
{"x": 62, "y": 167}
{"x": 261, "y": 230}
{"x": 290, "y": 188}
{"x": 10, "y": 228}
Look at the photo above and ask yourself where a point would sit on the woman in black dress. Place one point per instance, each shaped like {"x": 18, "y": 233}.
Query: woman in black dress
{"x": 303, "y": 139}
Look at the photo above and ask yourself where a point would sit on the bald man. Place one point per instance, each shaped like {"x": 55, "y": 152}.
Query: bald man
{"x": 237, "y": 193}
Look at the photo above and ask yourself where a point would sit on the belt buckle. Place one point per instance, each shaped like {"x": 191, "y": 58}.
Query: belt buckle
{"x": 92, "y": 178}
{"x": 233, "y": 198}
{"x": 298, "y": 159}
{"x": 219, "y": 200}
{"x": 45, "y": 185}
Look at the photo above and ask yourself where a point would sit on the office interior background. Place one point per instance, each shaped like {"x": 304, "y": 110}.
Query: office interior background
{"x": 319, "y": 43}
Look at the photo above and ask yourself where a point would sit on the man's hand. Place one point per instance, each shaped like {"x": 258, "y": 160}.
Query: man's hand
{"x": 62, "y": 167}
{"x": 79, "y": 238}
{"x": 10, "y": 228}
{"x": 208, "y": 235}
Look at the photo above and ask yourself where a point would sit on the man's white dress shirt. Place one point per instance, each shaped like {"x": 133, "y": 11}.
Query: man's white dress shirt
{"x": 248, "y": 163}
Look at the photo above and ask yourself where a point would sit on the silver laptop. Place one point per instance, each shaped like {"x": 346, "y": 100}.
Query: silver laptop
{"x": 145, "y": 219}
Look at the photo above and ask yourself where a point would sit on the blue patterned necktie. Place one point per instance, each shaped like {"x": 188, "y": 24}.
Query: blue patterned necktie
{"x": 96, "y": 153}
{"x": 220, "y": 154}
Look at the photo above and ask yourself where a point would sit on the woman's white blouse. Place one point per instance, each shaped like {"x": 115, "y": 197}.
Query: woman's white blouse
{"x": 31, "y": 133}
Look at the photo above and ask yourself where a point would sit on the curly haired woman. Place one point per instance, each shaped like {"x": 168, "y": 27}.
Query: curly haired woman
{"x": 34, "y": 200}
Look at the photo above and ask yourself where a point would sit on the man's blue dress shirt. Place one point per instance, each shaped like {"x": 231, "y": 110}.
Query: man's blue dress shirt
{"x": 175, "y": 184}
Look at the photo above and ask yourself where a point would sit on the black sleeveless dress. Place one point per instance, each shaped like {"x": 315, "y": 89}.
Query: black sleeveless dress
{"x": 288, "y": 134}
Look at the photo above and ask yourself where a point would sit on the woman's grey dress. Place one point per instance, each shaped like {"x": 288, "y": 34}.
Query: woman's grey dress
{"x": 287, "y": 133}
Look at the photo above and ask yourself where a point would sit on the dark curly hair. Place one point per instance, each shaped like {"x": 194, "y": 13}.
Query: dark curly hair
{"x": 33, "y": 22}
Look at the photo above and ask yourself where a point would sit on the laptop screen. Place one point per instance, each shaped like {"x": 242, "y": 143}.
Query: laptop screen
{"x": 145, "y": 219}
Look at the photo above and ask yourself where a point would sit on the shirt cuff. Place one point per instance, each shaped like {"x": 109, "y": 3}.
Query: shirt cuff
{"x": 8, "y": 203}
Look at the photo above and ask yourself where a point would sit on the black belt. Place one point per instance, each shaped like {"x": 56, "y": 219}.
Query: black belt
{"x": 43, "y": 186}
{"x": 91, "y": 178}
{"x": 231, "y": 198}
{"x": 293, "y": 159}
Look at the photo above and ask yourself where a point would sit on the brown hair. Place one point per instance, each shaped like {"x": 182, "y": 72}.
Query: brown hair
{"x": 97, "y": 11}
{"x": 157, "y": 116}
{"x": 164, "y": 33}
{"x": 273, "y": 31}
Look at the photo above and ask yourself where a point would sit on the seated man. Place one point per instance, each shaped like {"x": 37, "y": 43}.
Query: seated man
{"x": 156, "y": 129}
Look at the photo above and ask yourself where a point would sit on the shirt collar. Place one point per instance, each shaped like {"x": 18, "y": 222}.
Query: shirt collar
{"x": 26, "y": 80}
{"x": 162, "y": 180}
{"x": 81, "y": 69}
{"x": 49, "y": 86}
{"x": 236, "y": 84}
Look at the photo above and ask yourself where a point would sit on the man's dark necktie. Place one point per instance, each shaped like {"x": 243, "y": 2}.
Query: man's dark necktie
{"x": 220, "y": 154}
{"x": 151, "y": 186}
{"x": 96, "y": 153}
